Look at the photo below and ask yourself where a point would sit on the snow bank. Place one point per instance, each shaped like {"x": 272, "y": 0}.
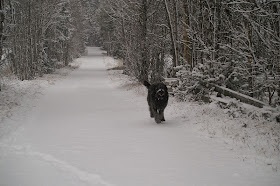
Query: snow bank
{"x": 242, "y": 127}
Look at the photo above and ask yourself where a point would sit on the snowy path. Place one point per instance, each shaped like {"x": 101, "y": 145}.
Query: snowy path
{"x": 85, "y": 131}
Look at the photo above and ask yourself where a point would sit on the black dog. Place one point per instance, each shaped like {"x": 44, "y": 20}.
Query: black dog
{"x": 157, "y": 100}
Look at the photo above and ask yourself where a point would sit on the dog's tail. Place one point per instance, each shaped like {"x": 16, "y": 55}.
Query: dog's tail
{"x": 147, "y": 84}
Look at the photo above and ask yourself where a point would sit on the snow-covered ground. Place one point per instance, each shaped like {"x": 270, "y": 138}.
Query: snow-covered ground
{"x": 238, "y": 125}
{"x": 93, "y": 128}
{"x": 18, "y": 97}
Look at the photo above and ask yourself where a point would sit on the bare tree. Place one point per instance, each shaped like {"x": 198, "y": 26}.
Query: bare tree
{"x": 230, "y": 43}
{"x": 42, "y": 35}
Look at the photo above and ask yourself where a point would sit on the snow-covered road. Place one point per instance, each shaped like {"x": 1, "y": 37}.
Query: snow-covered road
{"x": 86, "y": 131}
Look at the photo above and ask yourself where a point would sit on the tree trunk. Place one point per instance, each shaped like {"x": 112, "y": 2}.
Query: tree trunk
{"x": 250, "y": 61}
{"x": 124, "y": 46}
{"x": 144, "y": 47}
{"x": 187, "y": 50}
{"x": 277, "y": 30}
{"x": 173, "y": 42}
{"x": 218, "y": 29}
{"x": 2, "y": 18}
{"x": 175, "y": 9}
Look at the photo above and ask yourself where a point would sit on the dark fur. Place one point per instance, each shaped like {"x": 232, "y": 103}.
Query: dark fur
{"x": 157, "y": 100}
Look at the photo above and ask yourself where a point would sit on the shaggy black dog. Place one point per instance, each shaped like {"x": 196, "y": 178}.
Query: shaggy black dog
{"x": 157, "y": 100}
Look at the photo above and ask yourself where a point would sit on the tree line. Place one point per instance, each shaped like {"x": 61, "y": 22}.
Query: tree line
{"x": 38, "y": 36}
{"x": 232, "y": 43}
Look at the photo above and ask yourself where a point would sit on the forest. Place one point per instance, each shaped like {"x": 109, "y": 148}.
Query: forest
{"x": 228, "y": 43}
{"x": 38, "y": 36}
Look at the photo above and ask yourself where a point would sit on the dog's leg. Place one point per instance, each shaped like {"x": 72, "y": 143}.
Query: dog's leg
{"x": 161, "y": 114}
{"x": 157, "y": 117}
{"x": 151, "y": 112}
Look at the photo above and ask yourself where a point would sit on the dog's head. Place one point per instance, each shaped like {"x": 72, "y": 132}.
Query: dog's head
{"x": 161, "y": 92}
{"x": 157, "y": 91}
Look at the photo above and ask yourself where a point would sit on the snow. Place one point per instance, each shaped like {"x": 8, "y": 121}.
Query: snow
{"x": 241, "y": 95}
{"x": 92, "y": 127}
{"x": 18, "y": 97}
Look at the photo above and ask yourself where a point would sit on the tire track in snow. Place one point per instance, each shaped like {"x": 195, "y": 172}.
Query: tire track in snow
{"x": 62, "y": 165}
